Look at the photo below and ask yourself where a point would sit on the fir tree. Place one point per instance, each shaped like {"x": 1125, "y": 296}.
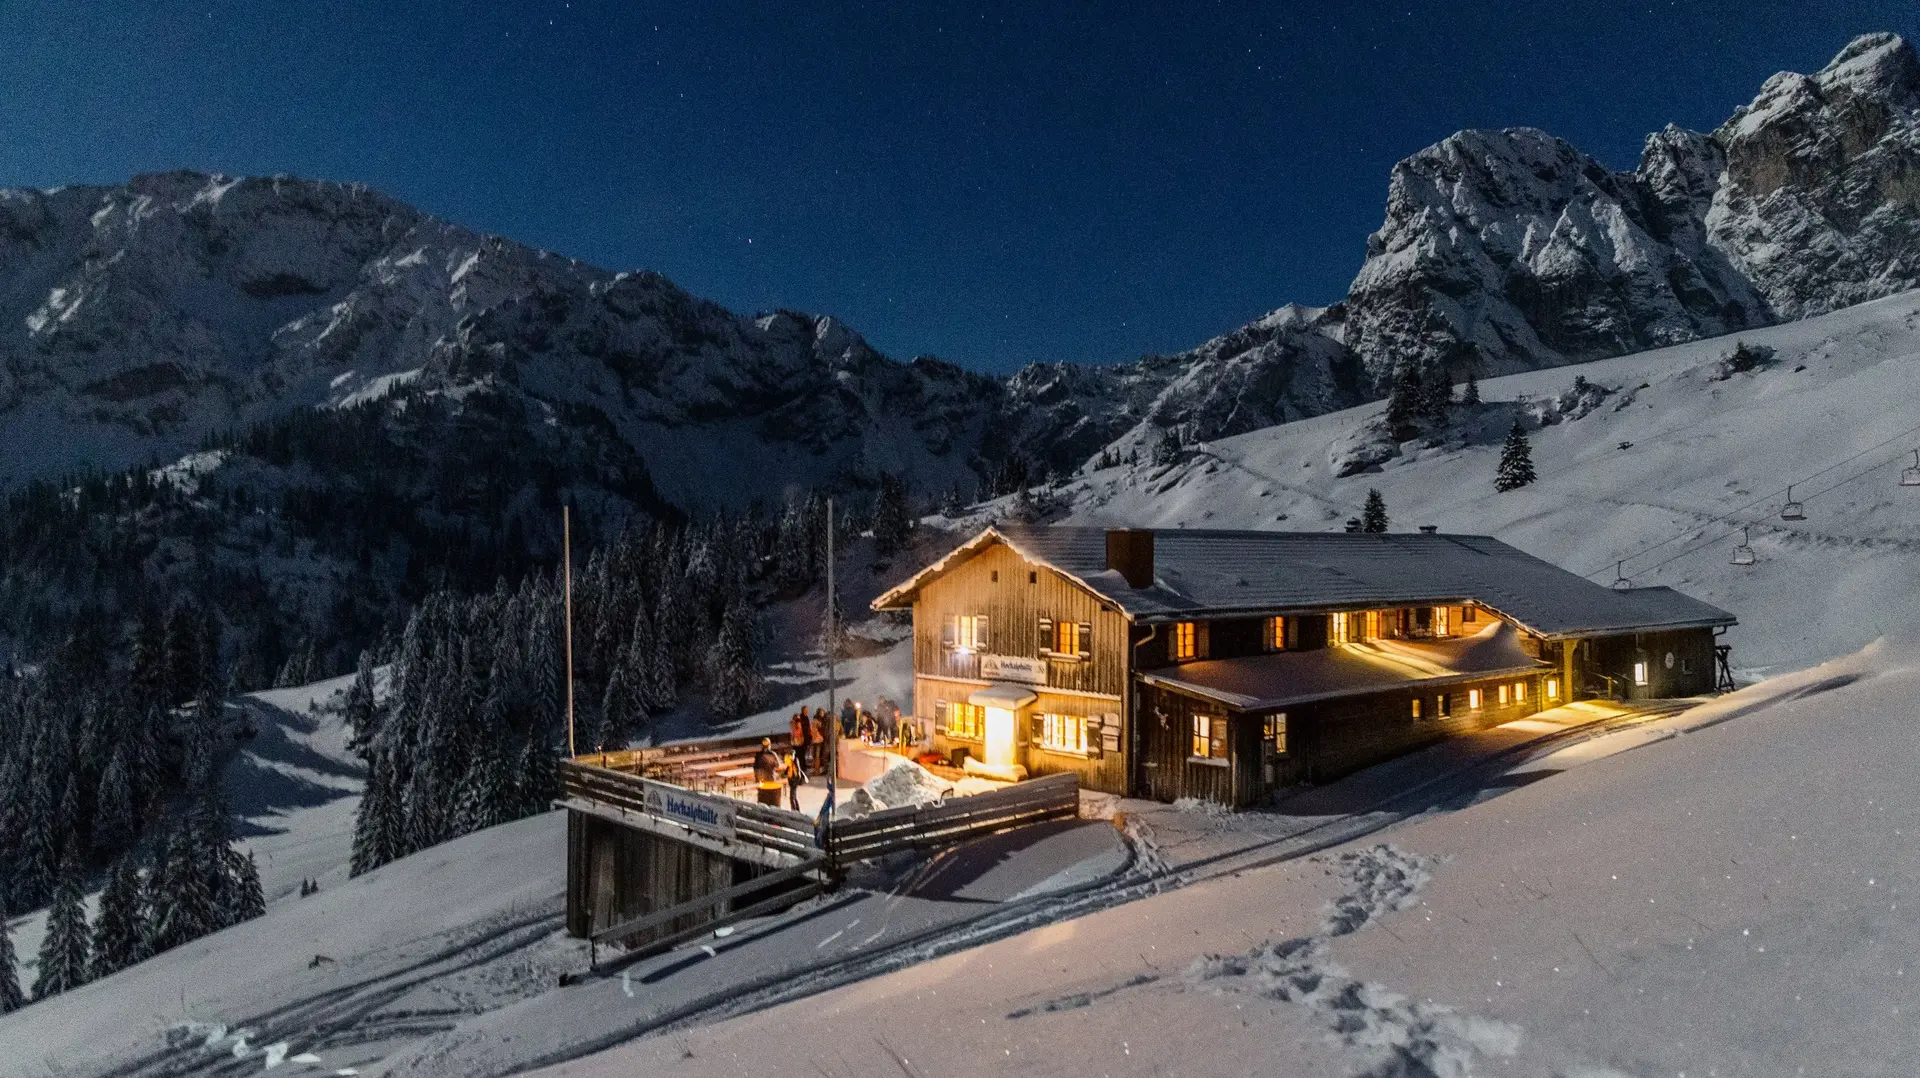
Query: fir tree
{"x": 63, "y": 950}
{"x": 1404, "y": 394}
{"x": 1516, "y": 461}
{"x": 1167, "y": 449}
{"x": 1436, "y": 398}
{"x": 1470, "y": 396}
{"x": 359, "y": 709}
{"x": 115, "y": 825}
{"x": 241, "y": 897}
{"x": 11, "y": 998}
{"x": 1373, "y": 517}
{"x": 181, "y": 894}
{"x": 620, "y": 705}
{"x": 120, "y": 928}
{"x": 733, "y": 667}
{"x": 661, "y": 689}
{"x": 375, "y": 824}
{"x": 892, "y": 517}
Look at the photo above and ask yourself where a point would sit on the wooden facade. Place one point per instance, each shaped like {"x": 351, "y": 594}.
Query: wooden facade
{"x": 987, "y": 603}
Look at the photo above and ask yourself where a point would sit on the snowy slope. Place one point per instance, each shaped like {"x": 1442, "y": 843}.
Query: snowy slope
{"x": 1662, "y": 473}
{"x": 1731, "y": 901}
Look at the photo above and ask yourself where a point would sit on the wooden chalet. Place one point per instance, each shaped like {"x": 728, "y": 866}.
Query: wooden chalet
{"x": 1227, "y": 664}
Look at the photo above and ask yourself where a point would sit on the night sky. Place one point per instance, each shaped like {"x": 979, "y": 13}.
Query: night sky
{"x": 991, "y": 183}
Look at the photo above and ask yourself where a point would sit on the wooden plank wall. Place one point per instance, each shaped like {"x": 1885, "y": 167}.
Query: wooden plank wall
{"x": 1692, "y": 673}
{"x": 1014, "y": 604}
{"x": 617, "y": 874}
{"x": 1337, "y": 737}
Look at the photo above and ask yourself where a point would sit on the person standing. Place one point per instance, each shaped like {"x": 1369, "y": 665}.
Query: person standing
{"x": 796, "y": 777}
{"x": 766, "y": 773}
{"x": 849, "y": 720}
{"x": 800, "y": 732}
{"x": 819, "y": 732}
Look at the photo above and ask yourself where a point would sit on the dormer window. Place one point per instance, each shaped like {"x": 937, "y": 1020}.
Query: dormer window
{"x": 1185, "y": 641}
{"x": 1276, "y": 634}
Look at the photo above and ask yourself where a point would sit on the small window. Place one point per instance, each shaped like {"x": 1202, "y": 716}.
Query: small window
{"x": 1033, "y": 576}
{"x": 1520, "y": 692}
{"x": 1639, "y": 673}
{"x": 1553, "y": 688}
{"x": 1440, "y": 626}
{"x": 1473, "y": 699}
{"x": 1340, "y": 627}
{"x": 995, "y": 575}
{"x": 1443, "y": 705}
{"x": 1686, "y": 666}
{"x": 1502, "y": 690}
{"x": 970, "y": 632}
{"x": 968, "y": 722}
{"x": 1210, "y": 737}
{"x": 1416, "y": 707}
{"x": 1185, "y": 641}
{"x": 1372, "y": 623}
{"x": 1063, "y": 733}
{"x": 1066, "y": 638}
{"x": 1274, "y": 730}
{"x": 1468, "y": 615}
{"x": 1276, "y": 634}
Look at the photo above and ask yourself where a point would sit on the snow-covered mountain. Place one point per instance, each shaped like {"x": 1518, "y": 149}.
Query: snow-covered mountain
{"x": 136, "y": 320}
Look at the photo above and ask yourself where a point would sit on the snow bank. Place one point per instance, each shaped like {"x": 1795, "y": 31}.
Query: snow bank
{"x": 905, "y": 783}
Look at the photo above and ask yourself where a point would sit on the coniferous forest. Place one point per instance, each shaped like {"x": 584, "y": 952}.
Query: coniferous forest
{"x": 425, "y": 536}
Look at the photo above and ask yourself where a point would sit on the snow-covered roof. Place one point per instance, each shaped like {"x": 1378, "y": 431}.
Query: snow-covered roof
{"x": 1283, "y": 679}
{"x": 1200, "y": 573}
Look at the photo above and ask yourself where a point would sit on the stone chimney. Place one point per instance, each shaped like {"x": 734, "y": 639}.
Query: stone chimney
{"x": 1130, "y": 553}
{"x": 1429, "y": 529}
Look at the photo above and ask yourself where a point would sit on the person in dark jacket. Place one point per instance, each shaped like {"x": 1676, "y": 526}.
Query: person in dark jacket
{"x": 800, "y": 732}
{"x": 796, "y": 777}
{"x": 849, "y": 720}
{"x": 818, "y": 730}
{"x": 766, "y": 773}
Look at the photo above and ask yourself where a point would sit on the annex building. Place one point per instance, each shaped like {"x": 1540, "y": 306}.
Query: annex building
{"x": 1228, "y": 664}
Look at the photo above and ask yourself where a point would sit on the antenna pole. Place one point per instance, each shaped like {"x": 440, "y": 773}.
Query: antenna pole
{"x": 566, "y": 563}
{"x": 833, "y": 711}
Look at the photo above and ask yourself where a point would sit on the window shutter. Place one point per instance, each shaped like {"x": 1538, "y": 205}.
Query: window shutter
{"x": 1037, "y": 728}
{"x": 1218, "y": 733}
{"x": 1200, "y": 642}
{"x": 1086, "y": 639}
{"x": 980, "y": 633}
{"x": 949, "y": 631}
{"x": 1046, "y": 635}
{"x": 940, "y": 717}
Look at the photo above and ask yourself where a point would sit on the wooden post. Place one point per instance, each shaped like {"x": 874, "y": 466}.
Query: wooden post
{"x": 833, "y": 713}
{"x": 566, "y": 562}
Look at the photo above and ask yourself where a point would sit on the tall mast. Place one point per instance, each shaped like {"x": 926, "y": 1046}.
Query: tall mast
{"x": 833, "y": 711}
{"x": 566, "y": 561}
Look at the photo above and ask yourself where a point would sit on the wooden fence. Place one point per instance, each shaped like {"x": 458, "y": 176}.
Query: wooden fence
{"x": 951, "y": 821}
{"x": 728, "y": 820}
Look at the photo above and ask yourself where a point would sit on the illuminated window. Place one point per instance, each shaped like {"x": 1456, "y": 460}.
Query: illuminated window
{"x": 1276, "y": 634}
{"x": 965, "y": 721}
{"x": 1553, "y": 688}
{"x": 1440, "y": 626}
{"x": 1185, "y": 641}
{"x": 1416, "y": 707}
{"x": 1503, "y": 694}
{"x": 1210, "y": 737}
{"x": 1063, "y": 733}
{"x": 1274, "y": 730}
{"x": 1639, "y": 673}
{"x": 1372, "y": 624}
{"x": 1443, "y": 705}
{"x": 1520, "y": 692}
{"x": 1340, "y": 627}
{"x": 967, "y": 632}
{"x": 1066, "y": 638}
{"x": 1473, "y": 699}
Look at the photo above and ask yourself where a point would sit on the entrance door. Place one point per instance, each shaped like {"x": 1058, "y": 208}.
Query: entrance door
{"x": 1166, "y": 739}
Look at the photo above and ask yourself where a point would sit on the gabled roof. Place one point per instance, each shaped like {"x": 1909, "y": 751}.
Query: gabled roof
{"x": 1282, "y": 679}
{"x": 1217, "y": 574}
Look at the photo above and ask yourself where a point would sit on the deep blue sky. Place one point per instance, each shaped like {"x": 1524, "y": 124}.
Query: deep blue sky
{"x": 992, "y": 183}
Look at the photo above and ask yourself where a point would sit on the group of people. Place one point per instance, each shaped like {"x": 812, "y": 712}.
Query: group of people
{"x": 808, "y": 735}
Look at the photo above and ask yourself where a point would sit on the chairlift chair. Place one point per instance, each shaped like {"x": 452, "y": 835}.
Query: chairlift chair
{"x": 1911, "y": 476}
{"x": 1743, "y": 554}
{"x": 1792, "y": 510}
{"x": 1620, "y": 581}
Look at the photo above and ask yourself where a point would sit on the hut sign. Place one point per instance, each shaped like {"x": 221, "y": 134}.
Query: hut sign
{"x": 1013, "y": 668}
{"x": 708, "y": 815}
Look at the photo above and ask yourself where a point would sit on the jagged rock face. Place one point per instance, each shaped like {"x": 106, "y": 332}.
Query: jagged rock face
{"x": 1820, "y": 201}
{"x": 1287, "y": 365}
{"x": 1504, "y": 250}
{"x": 136, "y": 320}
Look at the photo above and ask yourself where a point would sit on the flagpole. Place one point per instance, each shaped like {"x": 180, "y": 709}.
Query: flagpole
{"x": 833, "y": 713}
{"x": 566, "y": 561}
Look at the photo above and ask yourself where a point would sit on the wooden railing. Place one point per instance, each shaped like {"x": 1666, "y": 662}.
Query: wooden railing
{"x": 791, "y": 834}
{"x": 956, "y": 819}
{"x": 719, "y": 817}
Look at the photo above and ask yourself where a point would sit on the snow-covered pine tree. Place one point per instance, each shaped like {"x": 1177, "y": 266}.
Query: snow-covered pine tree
{"x": 181, "y": 898}
{"x": 1516, "y": 460}
{"x": 120, "y": 929}
{"x": 1373, "y": 516}
{"x": 1404, "y": 393}
{"x": 1166, "y": 449}
{"x": 241, "y": 897}
{"x": 63, "y": 950}
{"x": 374, "y": 824}
{"x": 359, "y": 709}
{"x": 662, "y": 689}
{"x": 1436, "y": 397}
{"x": 892, "y": 517}
{"x": 1470, "y": 396}
{"x": 115, "y": 823}
{"x": 619, "y": 704}
{"x": 733, "y": 666}
{"x": 536, "y": 777}
{"x": 11, "y": 998}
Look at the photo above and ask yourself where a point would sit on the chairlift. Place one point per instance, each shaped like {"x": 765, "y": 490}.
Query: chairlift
{"x": 1911, "y": 477}
{"x": 1620, "y": 581}
{"x": 1743, "y": 554}
{"x": 1792, "y": 510}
